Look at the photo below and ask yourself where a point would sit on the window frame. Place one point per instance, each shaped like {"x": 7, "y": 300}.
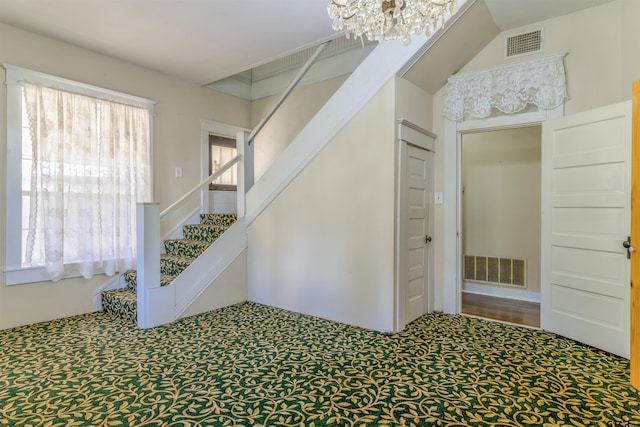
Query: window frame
{"x": 15, "y": 273}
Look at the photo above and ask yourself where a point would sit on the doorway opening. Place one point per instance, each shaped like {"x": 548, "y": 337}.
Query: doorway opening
{"x": 500, "y": 224}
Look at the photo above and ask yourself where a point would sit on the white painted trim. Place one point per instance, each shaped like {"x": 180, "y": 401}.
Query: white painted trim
{"x": 244, "y": 180}
{"x": 115, "y": 282}
{"x": 193, "y": 281}
{"x": 501, "y": 321}
{"x": 15, "y": 274}
{"x": 453, "y": 131}
{"x": 499, "y": 291}
{"x": 24, "y": 74}
{"x": 209, "y": 127}
{"x": 407, "y": 134}
{"x": 415, "y": 135}
{"x": 148, "y": 265}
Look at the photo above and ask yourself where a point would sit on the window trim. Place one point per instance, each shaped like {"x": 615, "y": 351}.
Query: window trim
{"x": 15, "y": 273}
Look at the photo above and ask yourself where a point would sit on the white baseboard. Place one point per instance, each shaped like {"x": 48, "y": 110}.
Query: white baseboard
{"x": 502, "y": 292}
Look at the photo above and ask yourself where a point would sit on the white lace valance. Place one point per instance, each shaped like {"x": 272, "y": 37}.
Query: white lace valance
{"x": 509, "y": 89}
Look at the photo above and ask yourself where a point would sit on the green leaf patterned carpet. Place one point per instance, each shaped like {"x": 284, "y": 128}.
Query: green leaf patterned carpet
{"x": 252, "y": 365}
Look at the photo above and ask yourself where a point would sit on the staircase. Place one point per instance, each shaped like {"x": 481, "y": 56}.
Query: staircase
{"x": 179, "y": 254}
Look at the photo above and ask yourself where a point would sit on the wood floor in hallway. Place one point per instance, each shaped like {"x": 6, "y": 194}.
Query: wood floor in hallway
{"x": 507, "y": 310}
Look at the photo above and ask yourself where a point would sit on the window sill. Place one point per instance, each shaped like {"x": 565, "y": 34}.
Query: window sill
{"x": 223, "y": 187}
{"x": 23, "y": 276}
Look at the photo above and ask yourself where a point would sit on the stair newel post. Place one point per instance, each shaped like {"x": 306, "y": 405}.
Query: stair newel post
{"x": 245, "y": 169}
{"x": 148, "y": 254}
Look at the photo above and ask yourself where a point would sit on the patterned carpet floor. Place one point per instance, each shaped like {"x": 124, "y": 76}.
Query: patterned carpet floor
{"x": 252, "y": 365}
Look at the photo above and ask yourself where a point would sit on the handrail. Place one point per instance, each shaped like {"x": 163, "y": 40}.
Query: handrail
{"x": 288, "y": 90}
{"x": 202, "y": 184}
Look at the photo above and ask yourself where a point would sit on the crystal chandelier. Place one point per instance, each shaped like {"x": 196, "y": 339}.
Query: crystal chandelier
{"x": 389, "y": 19}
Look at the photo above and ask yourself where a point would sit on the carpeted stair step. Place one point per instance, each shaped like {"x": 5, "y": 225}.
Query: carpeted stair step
{"x": 180, "y": 253}
{"x": 203, "y": 232}
{"x": 174, "y": 265}
{"x": 186, "y": 248}
{"x": 224, "y": 220}
{"x": 131, "y": 279}
{"x": 121, "y": 303}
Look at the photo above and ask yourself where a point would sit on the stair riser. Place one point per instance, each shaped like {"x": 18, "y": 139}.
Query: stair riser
{"x": 130, "y": 277}
{"x": 185, "y": 248}
{"x": 122, "y": 308}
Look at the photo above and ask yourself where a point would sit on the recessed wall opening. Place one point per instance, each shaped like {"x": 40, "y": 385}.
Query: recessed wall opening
{"x": 500, "y": 224}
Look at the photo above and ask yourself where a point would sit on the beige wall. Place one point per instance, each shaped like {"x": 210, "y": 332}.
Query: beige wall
{"x": 179, "y": 109}
{"x": 602, "y": 61}
{"x": 501, "y": 200}
{"x": 325, "y": 245}
{"x": 413, "y": 104}
{"x": 602, "y": 46}
{"x": 303, "y": 103}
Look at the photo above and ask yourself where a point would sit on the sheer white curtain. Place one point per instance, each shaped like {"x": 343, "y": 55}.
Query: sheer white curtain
{"x": 90, "y": 165}
{"x": 219, "y": 156}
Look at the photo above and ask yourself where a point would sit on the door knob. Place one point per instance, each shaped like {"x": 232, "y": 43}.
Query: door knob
{"x": 427, "y": 239}
{"x": 627, "y": 245}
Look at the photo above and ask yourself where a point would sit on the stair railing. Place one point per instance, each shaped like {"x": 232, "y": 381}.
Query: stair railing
{"x": 204, "y": 183}
{"x": 156, "y": 304}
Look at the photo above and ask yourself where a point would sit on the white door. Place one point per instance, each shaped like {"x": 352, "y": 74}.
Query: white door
{"x": 417, "y": 198}
{"x": 585, "y": 221}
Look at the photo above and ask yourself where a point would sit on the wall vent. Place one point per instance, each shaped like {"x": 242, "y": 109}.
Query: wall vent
{"x": 500, "y": 271}
{"x": 523, "y": 44}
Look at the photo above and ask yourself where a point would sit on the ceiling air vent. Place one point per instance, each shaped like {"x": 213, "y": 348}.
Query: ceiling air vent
{"x": 523, "y": 43}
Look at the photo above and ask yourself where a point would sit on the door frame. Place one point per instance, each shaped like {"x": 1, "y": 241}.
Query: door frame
{"x": 208, "y": 127}
{"x": 452, "y": 186}
{"x": 409, "y": 134}
{"x": 634, "y": 329}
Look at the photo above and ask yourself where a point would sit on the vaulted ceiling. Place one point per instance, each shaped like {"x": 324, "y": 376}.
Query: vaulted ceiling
{"x": 204, "y": 40}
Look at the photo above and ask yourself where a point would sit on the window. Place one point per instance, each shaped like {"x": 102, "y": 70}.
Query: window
{"x": 221, "y": 150}
{"x": 78, "y": 161}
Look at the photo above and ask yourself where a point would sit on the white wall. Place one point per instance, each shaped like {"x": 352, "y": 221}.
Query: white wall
{"x": 180, "y": 108}
{"x": 501, "y": 200}
{"x": 223, "y": 201}
{"x": 602, "y": 61}
{"x": 303, "y": 103}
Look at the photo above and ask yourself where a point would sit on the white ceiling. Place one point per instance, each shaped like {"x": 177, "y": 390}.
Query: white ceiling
{"x": 204, "y": 40}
